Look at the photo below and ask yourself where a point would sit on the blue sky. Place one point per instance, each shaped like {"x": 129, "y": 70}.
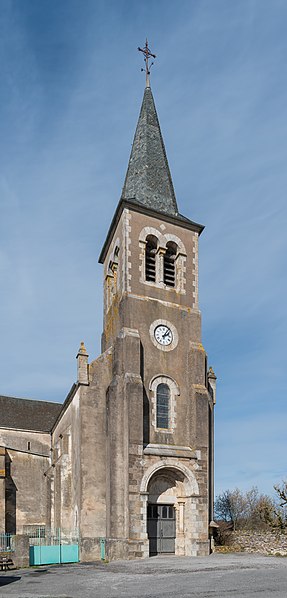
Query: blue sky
{"x": 71, "y": 89}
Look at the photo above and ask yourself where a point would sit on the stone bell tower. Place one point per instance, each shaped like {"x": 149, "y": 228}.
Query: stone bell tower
{"x": 160, "y": 395}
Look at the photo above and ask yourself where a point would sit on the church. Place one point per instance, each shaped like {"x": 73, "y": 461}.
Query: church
{"x": 128, "y": 456}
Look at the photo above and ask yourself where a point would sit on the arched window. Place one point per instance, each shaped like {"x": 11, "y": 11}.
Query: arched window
{"x": 169, "y": 264}
{"x": 150, "y": 258}
{"x": 164, "y": 393}
{"x": 162, "y": 406}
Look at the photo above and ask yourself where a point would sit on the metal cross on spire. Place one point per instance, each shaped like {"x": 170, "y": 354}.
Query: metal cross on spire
{"x": 147, "y": 54}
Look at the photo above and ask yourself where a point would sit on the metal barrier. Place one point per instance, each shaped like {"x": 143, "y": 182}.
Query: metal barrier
{"x": 6, "y": 543}
{"x": 103, "y": 549}
{"x": 53, "y": 546}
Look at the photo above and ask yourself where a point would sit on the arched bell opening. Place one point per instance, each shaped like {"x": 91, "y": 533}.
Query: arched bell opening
{"x": 169, "y": 261}
{"x": 150, "y": 258}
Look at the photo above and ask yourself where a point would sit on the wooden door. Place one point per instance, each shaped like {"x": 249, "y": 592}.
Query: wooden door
{"x": 161, "y": 529}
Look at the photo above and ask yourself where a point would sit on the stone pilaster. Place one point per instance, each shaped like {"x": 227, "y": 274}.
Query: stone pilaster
{"x": 125, "y": 431}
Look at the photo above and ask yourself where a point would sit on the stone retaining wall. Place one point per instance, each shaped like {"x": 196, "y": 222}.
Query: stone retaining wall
{"x": 251, "y": 541}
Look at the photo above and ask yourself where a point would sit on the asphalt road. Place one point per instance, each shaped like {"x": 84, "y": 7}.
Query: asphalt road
{"x": 232, "y": 575}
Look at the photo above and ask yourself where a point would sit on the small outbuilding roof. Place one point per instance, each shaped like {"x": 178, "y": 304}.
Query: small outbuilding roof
{"x": 27, "y": 414}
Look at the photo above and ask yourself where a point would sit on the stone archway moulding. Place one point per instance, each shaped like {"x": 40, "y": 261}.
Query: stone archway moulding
{"x": 162, "y": 238}
{"x": 162, "y": 377}
{"x": 170, "y": 237}
{"x": 150, "y": 230}
{"x": 192, "y": 485}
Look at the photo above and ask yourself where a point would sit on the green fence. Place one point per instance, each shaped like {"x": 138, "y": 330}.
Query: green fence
{"x": 6, "y": 543}
{"x": 49, "y": 547}
{"x": 53, "y": 554}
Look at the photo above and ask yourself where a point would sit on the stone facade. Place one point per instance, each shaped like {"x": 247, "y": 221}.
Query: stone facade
{"x": 25, "y": 456}
{"x": 119, "y": 449}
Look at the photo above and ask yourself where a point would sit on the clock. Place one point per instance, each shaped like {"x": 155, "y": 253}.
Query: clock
{"x": 163, "y": 335}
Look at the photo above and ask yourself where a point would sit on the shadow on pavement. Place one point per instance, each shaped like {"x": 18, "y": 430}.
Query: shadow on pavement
{"x": 5, "y": 579}
{"x": 40, "y": 571}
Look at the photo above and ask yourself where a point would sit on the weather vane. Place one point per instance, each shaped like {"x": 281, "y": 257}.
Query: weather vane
{"x": 147, "y": 54}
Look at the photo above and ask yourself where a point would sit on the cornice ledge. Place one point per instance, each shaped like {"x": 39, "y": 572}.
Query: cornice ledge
{"x": 167, "y": 450}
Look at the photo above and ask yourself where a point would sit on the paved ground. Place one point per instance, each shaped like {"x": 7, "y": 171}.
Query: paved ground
{"x": 217, "y": 576}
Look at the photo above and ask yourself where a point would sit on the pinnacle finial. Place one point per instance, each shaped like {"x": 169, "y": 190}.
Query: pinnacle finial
{"x": 82, "y": 349}
{"x": 211, "y": 373}
{"x": 82, "y": 365}
{"x": 147, "y": 54}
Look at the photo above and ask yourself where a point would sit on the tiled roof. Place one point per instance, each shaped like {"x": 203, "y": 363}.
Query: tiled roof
{"x": 26, "y": 414}
{"x": 148, "y": 179}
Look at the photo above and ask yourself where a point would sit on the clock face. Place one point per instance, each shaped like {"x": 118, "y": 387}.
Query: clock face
{"x": 163, "y": 335}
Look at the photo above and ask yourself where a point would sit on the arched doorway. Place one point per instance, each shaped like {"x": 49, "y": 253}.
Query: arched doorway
{"x": 167, "y": 496}
{"x": 164, "y": 488}
{"x": 170, "y": 502}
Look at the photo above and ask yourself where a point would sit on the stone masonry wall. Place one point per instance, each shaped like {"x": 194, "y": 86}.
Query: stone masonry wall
{"x": 268, "y": 542}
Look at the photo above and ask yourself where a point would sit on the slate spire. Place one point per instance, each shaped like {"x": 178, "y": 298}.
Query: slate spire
{"x": 148, "y": 179}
